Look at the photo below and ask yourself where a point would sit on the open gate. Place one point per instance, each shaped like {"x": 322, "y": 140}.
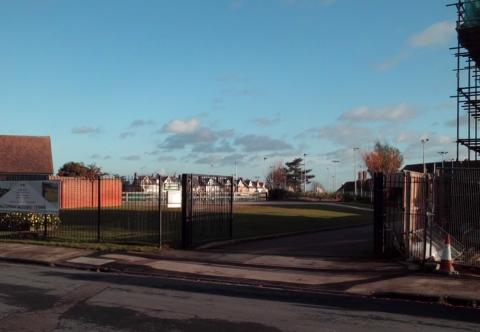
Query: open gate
{"x": 207, "y": 208}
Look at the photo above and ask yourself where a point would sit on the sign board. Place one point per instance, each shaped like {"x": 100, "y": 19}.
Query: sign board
{"x": 42, "y": 197}
{"x": 174, "y": 199}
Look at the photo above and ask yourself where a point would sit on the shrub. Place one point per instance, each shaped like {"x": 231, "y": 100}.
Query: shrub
{"x": 16, "y": 221}
{"x": 277, "y": 194}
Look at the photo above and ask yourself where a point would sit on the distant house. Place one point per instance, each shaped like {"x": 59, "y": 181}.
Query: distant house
{"x": 242, "y": 186}
{"x": 25, "y": 157}
{"x": 364, "y": 188}
{"x": 212, "y": 186}
{"x": 148, "y": 184}
{"x": 319, "y": 189}
{"x": 260, "y": 187}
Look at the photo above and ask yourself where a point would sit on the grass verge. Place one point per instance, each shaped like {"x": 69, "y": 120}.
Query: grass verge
{"x": 258, "y": 220}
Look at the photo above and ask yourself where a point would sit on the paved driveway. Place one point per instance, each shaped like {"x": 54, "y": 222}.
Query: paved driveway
{"x": 355, "y": 242}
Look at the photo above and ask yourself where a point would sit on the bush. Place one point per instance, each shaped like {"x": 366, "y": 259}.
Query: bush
{"x": 277, "y": 194}
{"x": 17, "y": 221}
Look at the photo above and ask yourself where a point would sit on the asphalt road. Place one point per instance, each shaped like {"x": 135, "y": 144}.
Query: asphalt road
{"x": 350, "y": 243}
{"x": 35, "y": 298}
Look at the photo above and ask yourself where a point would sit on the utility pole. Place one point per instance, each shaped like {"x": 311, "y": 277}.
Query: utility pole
{"x": 355, "y": 172}
{"x": 304, "y": 173}
{"x": 423, "y": 141}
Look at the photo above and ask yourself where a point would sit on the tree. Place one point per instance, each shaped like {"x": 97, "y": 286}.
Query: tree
{"x": 277, "y": 177}
{"x": 75, "y": 169}
{"x": 296, "y": 175}
{"x": 384, "y": 158}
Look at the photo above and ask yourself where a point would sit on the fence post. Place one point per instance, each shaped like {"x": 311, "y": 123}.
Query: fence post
{"x": 231, "y": 206}
{"x": 425, "y": 209}
{"x": 45, "y": 225}
{"x": 379, "y": 214}
{"x": 184, "y": 210}
{"x": 99, "y": 207}
{"x": 160, "y": 228}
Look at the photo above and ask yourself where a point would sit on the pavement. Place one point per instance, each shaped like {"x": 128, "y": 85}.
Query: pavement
{"x": 314, "y": 263}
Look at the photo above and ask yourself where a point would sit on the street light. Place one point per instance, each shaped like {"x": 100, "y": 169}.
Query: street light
{"x": 355, "y": 173}
{"x": 264, "y": 169}
{"x": 335, "y": 162}
{"x": 424, "y": 140}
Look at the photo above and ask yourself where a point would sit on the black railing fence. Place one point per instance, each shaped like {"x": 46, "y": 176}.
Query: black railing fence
{"x": 130, "y": 210}
{"x": 208, "y": 208}
{"x": 414, "y": 212}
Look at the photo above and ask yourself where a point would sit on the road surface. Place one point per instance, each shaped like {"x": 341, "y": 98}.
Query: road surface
{"x": 36, "y": 298}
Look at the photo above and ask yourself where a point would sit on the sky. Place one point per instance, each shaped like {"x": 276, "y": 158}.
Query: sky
{"x": 201, "y": 86}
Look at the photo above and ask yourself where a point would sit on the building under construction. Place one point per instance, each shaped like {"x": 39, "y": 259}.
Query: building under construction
{"x": 467, "y": 53}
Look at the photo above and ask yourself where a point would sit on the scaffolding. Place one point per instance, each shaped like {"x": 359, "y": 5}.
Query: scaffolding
{"x": 467, "y": 53}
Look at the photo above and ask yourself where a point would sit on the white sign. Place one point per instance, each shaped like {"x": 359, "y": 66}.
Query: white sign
{"x": 174, "y": 199}
{"x": 30, "y": 196}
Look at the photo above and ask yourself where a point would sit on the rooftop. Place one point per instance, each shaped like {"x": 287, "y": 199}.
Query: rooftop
{"x": 25, "y": 155}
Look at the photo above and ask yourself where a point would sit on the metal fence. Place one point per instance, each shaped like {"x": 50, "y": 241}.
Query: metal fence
{"x": 136, "y": 210}
{"x": 207, "y": 208}
{"x": 414, "y": 212}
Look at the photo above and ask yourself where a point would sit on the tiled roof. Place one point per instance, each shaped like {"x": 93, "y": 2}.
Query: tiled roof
{"x": 25, "y": 155}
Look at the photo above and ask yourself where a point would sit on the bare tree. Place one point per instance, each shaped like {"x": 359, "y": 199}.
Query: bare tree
{"x": 277, "y": 176}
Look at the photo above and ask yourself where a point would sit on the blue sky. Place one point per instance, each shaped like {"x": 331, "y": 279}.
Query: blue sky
{"x": 193, "y": 86}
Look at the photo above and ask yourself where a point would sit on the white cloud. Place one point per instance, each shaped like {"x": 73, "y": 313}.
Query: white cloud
{"x": 83, "y": 130}
{"x": 266, "y": 121}
{"x": 308, "y": 2}
{"x": 254, "y": 143}
{"x": 392, "y": 62}
{"x": 346, "y": 135}
{"x": 437, "y": 34}
{"x": 394, "y": 114}
{"x": 453, "y": 122}
{"x": 141, "y": 123}
{"x": 133, "y": 157}
{"x": 126, "y": 134}
{"x": 187, "y": 126}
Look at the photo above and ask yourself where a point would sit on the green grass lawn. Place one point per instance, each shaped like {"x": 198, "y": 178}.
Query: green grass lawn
{"x": 257, "y": 220}
{"x": 139, "y": 225}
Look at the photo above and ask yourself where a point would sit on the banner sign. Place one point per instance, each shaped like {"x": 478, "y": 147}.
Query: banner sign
{"x": 174, "y": 199}
{"x": 40, "y": 197}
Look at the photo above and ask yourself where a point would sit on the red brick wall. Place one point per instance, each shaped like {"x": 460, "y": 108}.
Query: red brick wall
{"x": 83, "y": 193}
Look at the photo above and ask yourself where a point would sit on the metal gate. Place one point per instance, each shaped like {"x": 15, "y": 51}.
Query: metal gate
{"x": 207, "y": 208}
{"x": 414, "y": 212}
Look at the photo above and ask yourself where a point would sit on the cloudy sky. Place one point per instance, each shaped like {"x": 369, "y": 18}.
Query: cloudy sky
{"x": 197, "y": 86}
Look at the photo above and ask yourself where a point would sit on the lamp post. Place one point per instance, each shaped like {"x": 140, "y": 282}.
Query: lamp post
{"x": 304, "y": 173}
{"x": 423, "y": 141}
{"x": 236, "y": 170}
{"x": 355, "y": 173}
{"x": 335, "y": 162}
{"x": 328, "y": 179}
{"x": 264, "y": 169}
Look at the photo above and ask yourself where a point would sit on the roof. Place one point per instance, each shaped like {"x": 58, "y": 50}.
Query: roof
{"x": 25, "y": 155}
